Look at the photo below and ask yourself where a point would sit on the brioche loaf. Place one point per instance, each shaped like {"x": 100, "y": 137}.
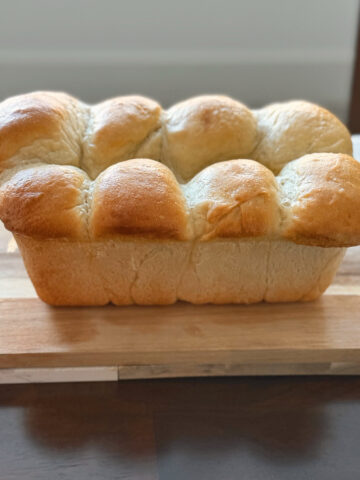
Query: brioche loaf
{"x": 207, "y": 202}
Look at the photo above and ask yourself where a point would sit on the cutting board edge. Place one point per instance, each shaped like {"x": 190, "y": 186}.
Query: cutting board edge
{"x": 276, "y": 356}
{"x": 142, "y": 372}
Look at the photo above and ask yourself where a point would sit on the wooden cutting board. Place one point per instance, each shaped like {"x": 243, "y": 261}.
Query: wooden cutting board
{"x": 39, "y": 343}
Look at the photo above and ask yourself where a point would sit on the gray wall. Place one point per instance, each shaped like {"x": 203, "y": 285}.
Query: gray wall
{"x": 255, "y": 50}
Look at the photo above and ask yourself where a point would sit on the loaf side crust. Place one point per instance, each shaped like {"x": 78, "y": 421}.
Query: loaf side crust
{"x": 161, "y": 272}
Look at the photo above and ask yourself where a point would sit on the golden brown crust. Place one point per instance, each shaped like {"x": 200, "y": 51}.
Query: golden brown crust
{"x": 53, "y": 119}
{"x": 138, "y": 197}
{"x": 292, "y": 129}
{"x": 322, "y": 195}
{"x": 237, "y": 198}
{"x": 207, "y": 129}
{"x": 233, "y": 198}
{"x": 117, "y": 129}
{"x": 45, "y": 201}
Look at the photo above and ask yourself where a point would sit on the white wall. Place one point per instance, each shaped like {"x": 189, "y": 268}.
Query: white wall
{"x": 255, "y": 50}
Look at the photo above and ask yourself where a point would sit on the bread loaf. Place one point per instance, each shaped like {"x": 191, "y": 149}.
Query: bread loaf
{"x": 207, "y": 202}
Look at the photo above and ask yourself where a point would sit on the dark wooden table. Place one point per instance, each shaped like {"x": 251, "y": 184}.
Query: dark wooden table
{"x": 248, "y": 428}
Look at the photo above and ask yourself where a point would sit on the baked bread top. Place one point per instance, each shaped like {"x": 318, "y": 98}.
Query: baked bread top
{"x": 208, "y": 167}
